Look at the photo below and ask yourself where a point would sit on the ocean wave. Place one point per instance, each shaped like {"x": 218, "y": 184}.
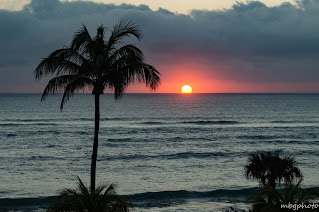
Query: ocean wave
{"x": 25, "y": 124}
{"x": 147, "y": 199}
{"x": 119, "y": 140}
{"x": 26, "y": 204}
{"x": 293, "y": 121}
{"x": 35, "y": 158}
{"x": 167, "y": 198}
{"x": 180, "y": 155}
{"x": 41, "y": 120}
{"x": 258, "y": 137}
{"x": 66, "y": 119}
{"x": 120, "y": 119}
{"x": 307, "y": 153}
{"x": 292, "y": 142}
{"x": 202, "y": 122}
{"x": 185, "y": 155}
{"x": 29, "y": 120}
{"x": 141, "y": 200}
{"x": 82, "y": 132}
{"x": 11, "y": 135}
{"x": 152, "y": 123}
{"x": 44, "y": 132}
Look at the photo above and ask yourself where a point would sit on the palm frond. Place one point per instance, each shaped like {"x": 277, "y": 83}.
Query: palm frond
{"x": 57, "y": 84}
{"x": 128, "y": 62}
{"x": 54, "y": 66}
{"x": 150, "y": 76}
{"x": 119, "y": 90}
{"x": 62, "y": 61}
{"x": 80, "y": 38}
{"x": 126, "y": 53}
{"x": 290, "y": 172}
{"x": 125, "y": 28}
{"x": 69, "y": 83}
{"x": 116, "y": 82}
{"x": 110, "y": 190}
{"x": 79, "y": 83}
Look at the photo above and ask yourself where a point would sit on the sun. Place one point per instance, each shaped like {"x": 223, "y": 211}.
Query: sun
{"x": 186, "y": 89}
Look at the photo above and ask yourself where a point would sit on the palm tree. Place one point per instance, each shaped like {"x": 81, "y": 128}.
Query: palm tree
{"x": 269, "y": 168}
{"x": 102, "y": 199}
{"x": 92, "y": 63}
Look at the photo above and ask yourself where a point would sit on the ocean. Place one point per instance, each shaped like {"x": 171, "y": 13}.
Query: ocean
{"x": 165, "y": 152}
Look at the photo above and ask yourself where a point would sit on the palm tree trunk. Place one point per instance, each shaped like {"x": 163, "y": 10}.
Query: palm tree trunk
{"x": 96, "y": 140}
{"x": 272, "y": 183}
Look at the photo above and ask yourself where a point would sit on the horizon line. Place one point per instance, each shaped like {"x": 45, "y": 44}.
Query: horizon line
{"x": 178, "y": 93}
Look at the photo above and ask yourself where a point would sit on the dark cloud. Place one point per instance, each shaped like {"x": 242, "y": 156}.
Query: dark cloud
{"x": 247, "y": 43}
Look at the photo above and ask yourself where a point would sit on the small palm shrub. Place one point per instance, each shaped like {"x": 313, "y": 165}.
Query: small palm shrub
{"x": 270, "y": 199}
{"x": 269, "y": 168}
{"x": 102, "y": 199}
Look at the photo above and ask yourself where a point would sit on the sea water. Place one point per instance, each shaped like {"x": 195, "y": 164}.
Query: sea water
{"x": 165, "y": 152}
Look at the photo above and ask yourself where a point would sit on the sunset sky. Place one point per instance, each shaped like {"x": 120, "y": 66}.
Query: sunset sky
{"x": 215, "y": 46}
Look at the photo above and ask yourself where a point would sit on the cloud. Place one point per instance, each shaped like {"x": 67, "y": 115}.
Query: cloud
{"x": 13, "y": 5}
{"x": 250, "y": 42}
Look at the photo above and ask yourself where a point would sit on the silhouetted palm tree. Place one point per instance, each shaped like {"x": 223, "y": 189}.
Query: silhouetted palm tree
{"x": 97, "y": 64}
{"x": 269, "y": 168}
{"x": 102, "y": 199}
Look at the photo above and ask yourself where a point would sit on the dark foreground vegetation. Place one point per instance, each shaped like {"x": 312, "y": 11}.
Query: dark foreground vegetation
{"x": 279, "y": 179}
{"x": 270, "y": 170}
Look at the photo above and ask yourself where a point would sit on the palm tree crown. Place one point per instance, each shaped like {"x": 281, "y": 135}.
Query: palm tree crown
{"x": 269, "y": 168}
{"x": 96, "y": 64}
